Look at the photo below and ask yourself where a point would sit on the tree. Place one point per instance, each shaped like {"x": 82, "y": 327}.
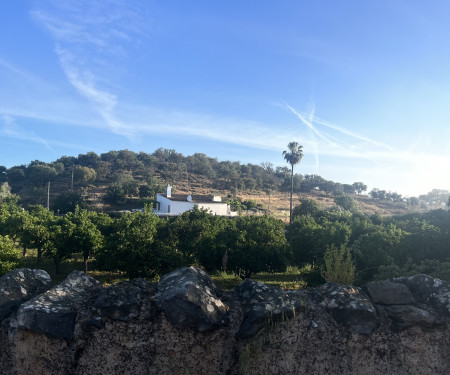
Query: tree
{"x": 309, "y": 238}
{"x": 58, "y": 247}
{"x": 40, "y": 174}
{"x": 373, "y": 250}
{"x": 84, "y": 174}
{"x": 134, "y": 247}
{"x": 85, "y": 237}
{"x": 67, "y": 202}
{"x": 5, "y": 191}
{"x": 255, "y": 244}
{"x": 12, "y": 217}
{"x": 9, "y": 256}
{"x": 293, "y": 156}
{"x": 36, "y": 234}
{"x": 346, "y": 202}
{"x": 308, "y": 206}
{"x": 115, "y": 194}
{"x": 359, "y": 187}
{"x": 3, "y": 170}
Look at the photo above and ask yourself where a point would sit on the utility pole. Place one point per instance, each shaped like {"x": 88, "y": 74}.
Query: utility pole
{"x": 48, "y": 196}
{"x": 268, "y": 208}
{"x": 71, "y": 185}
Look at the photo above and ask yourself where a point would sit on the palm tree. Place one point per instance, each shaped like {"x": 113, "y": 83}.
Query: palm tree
{"x": 293, "y": 156}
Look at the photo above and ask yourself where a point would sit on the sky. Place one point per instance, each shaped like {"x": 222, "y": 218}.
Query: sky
{"x": 363, "y": 86}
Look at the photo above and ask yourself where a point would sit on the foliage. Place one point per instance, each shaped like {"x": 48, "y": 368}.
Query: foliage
{"x": 256, "y": 244}
{"x": 12, "y": 217}
{"x": 338, "y": 265}
{"x": 307, "y": 206}
{"x": 84, "y": 174}
{"x": 36, "y": 233}
{"x": 115, "y": 194}
{"x": 41, "y": 174}
{"x": 85, "y": 237}
{"x": 9, "y": 256}
{"x": 375, "y": 249}
{"x": 5, "y": 191}
{"x": 133, "y": 247}
{"x": 309, "y": 238}
{"x": 150, "y": 189}
{"x": 67, "y": 202}
{"x": 346, "y": 202}
{"x": 359, "y": 187}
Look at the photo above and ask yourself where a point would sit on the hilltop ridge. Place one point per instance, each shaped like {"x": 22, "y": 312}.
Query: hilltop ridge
{"x": 124, "y": 179}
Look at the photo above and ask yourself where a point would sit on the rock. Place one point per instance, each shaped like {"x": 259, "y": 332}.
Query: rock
{"x": 19, "y": 285}
{"x": 190, "y": 299}
{"x": 404, "y": 316}
{"x": 54, "y": 312}
{"x": 390, "y": 293}
{"x": 264, "y": 305}
{"x": 122, "y": 301}
{"x": 119, "y": 330}
{"x": 348, "y": 305}
{"x": 429, "y": 290}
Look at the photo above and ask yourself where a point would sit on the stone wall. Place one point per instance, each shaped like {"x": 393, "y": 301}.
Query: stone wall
{"x": 185, "y": 325}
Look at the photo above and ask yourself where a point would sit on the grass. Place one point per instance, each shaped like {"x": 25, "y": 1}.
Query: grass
{"x": 291, "y": 279}
{"x": 66, "y": 267}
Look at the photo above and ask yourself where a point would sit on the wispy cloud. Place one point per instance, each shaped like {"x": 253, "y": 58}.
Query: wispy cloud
{"x": 85, "y": 33}
{"x": 11, "y": 130}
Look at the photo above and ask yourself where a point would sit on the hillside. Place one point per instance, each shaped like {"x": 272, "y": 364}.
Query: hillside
{"x": 123, "y": 180}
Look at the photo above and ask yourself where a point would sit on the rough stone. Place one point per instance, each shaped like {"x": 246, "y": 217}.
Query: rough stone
{"x": 122, "y": 301}
{"x": 429, "y": 290}
{"x": 54, "y": 312}
{"x": 348, "y": 305}
{"x": 20, "y": 285}
{"x": 390, "y": 293}
{"x": 189, "y": 299}
{"x": 120, "y": 330}
{"x": 404, "y": 316}
{"x": 265, "y": 305}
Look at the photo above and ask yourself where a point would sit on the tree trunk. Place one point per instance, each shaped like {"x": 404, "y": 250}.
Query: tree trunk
{"x": 85, "y": 265}
{"x": 57, "y": 263}
{"x": 292, "y": 192}
{"x": 39, "y": 254}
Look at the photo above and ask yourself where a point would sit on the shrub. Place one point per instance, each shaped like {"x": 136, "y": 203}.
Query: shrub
{"x": 338, "y": 266}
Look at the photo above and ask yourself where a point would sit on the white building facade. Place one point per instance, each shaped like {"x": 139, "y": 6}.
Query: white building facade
{"x": 176, "y": 204}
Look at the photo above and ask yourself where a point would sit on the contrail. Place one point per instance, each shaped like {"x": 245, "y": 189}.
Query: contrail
{"x": 351, "y": 134}
{"x": 311, "y": 126}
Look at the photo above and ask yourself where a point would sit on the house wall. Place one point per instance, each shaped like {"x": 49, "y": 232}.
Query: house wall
{"x": 216, "y": 208}
{"x": 177, "y": 207}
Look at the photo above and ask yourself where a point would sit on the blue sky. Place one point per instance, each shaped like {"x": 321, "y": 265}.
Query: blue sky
{"x": 364, "y": 86}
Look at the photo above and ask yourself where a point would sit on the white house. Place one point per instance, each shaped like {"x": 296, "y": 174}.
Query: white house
{"x": 176, "y": 204}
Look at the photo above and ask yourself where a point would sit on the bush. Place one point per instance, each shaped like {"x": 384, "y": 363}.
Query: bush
{"x": 339, "y": 266}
